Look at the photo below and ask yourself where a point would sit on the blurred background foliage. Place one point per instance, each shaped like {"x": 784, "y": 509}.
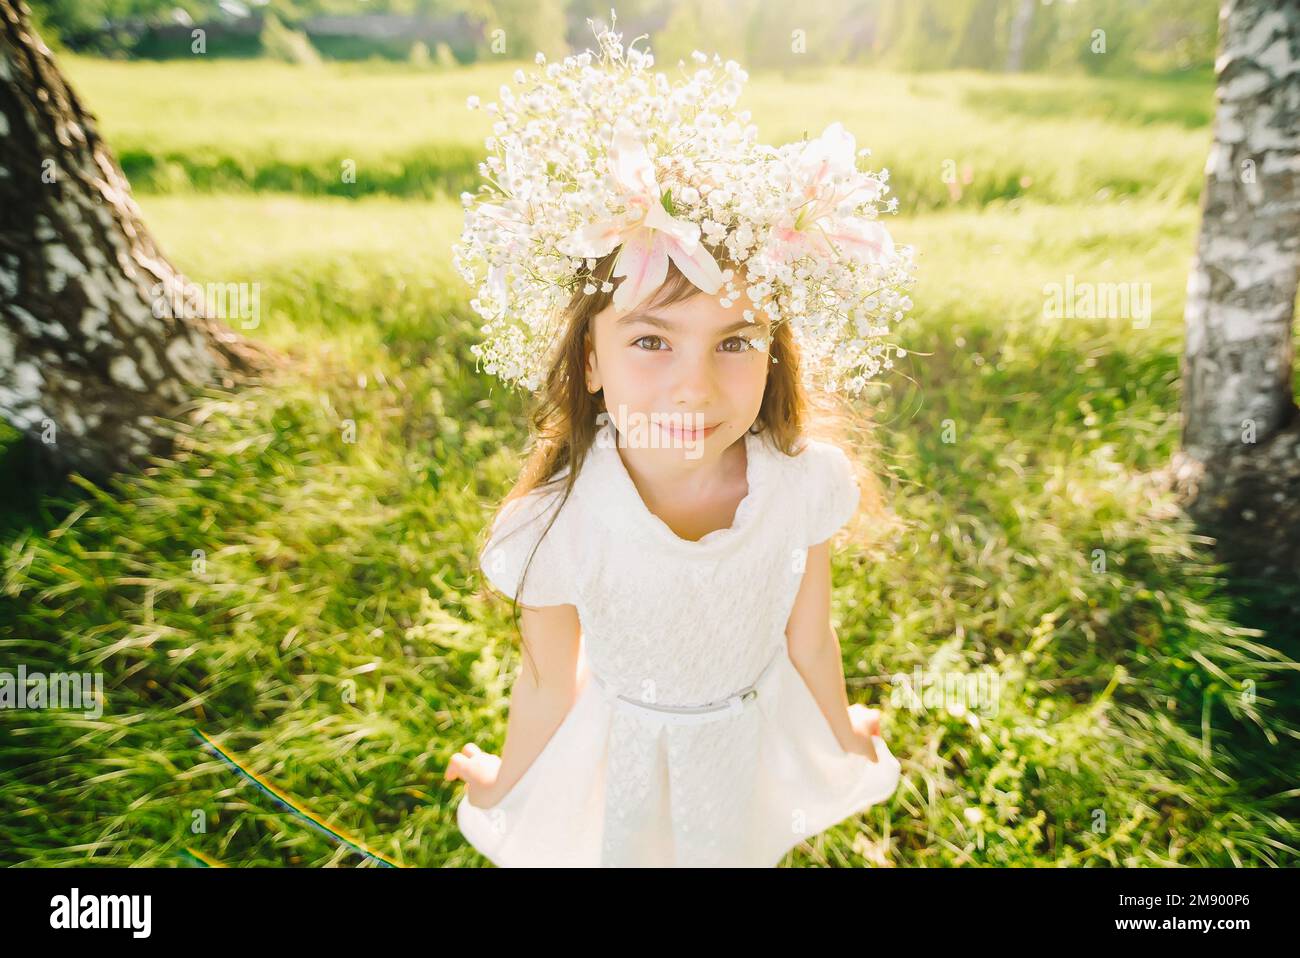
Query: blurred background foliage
{"x": 1162, "y": 36}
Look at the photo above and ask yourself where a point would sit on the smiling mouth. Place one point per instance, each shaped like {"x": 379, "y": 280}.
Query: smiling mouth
{"x": 689, "y": 433}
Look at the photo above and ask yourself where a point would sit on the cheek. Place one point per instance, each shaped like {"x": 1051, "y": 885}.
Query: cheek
{"x": 751, "y": 374}
{"x": 633, "y": 372}
{"x": 644, "y": 365}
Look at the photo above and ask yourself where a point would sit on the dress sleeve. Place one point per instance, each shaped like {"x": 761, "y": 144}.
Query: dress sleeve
{"x": 831, "y": 491}
{"x": 517, "y": 528}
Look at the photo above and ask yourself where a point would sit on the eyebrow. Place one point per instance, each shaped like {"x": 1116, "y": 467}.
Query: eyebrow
{"x": 660, "y": 323}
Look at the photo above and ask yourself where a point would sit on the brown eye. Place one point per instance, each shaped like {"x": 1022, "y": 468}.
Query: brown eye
{"x": 655, "y": 338}
{"x": 745, "y": 344}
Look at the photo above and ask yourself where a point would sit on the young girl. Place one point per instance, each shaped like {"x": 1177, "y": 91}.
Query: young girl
{"x": 668, "y": 541}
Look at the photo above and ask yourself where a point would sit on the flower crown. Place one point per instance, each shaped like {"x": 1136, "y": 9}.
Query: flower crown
{"x": 593, "y": 157}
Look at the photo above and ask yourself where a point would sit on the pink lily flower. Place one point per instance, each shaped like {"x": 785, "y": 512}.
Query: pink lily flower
{"x": 815, "y": 226}
{"x": 649, "y": 234}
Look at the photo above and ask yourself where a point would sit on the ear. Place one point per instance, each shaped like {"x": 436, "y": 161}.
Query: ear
{"x": 592, "y": 369}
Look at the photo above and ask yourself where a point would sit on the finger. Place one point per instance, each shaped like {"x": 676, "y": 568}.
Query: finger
{"x": 862, "y": 719}
{"x": 471, "y": 749}
{"x": 871, "y": 721}
{"x": 856, "y": 717}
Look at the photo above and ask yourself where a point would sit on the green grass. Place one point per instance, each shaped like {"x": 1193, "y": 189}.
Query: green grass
{"x": 334, "y": 633}
{"x": 228, "y": 126}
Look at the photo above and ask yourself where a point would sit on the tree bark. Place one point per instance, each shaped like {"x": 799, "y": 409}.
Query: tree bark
{"x": 1240, "y": 462}
{"x": 977, "y": 45}
{"x": 1020, "y": 22}
{"x": 99, "y": 347}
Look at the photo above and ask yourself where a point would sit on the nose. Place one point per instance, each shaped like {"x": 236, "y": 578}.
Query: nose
{"x": 694, "y": 386}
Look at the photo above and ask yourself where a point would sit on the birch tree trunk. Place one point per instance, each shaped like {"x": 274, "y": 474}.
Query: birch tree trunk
{"x": 1020, "y": 23}
{"x": 99, "y": 344}
{"x": 1240, "y": 462}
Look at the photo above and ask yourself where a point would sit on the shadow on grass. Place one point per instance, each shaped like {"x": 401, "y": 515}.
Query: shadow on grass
{"x": 1185, "y": 100}
{"x": 37, "y": 497}
{"x": 436, "y": 170}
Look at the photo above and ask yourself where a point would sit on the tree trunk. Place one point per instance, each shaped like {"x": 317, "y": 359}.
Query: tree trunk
{"x": 1240, "y": 462}
{"x": 1020, "y": 22}
{"x": 99, "y": 346}
{"x": 977, "y": 44}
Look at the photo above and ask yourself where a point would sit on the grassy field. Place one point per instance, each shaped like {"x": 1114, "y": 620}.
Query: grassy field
{"x": 222, "y": 125}
{"x": 332, "y": 630}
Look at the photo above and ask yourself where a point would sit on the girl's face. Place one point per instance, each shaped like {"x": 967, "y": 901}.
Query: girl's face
{"x": 689, "y": 371}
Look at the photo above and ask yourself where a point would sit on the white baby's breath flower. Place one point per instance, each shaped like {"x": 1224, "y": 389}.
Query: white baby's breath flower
{"x": 801, "y": 218}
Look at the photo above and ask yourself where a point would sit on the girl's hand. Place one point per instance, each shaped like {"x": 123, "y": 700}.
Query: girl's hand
{"x": 866, "y": 723}
{"x": 478, "y": 769}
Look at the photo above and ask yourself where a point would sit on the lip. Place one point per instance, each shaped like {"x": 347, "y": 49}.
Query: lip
{"x": 689, "y": 433}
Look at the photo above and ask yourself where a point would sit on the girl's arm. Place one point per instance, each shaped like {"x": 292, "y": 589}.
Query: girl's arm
{"x": 815, "y": 649}
{"x": 538, "y": 702}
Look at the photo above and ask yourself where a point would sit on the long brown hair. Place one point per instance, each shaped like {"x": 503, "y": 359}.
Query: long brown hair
{"x": 564, "y": 423}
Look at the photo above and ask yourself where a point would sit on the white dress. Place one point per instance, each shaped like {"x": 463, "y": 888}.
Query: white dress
{"x": 668, "y": 621}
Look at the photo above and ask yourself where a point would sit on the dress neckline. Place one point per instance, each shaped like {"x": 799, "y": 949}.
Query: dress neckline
{"x": 628, "y": 497}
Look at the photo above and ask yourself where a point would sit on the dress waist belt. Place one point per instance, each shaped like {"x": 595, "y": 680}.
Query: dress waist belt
{"x": 732, "y": 704}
